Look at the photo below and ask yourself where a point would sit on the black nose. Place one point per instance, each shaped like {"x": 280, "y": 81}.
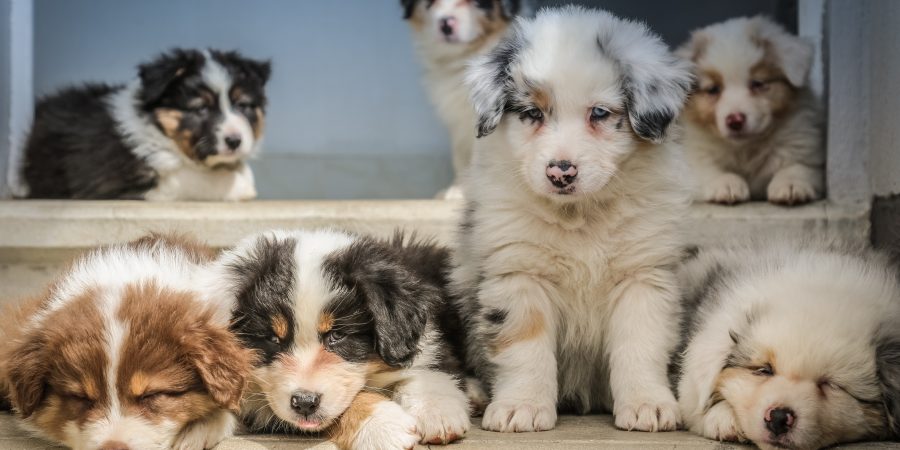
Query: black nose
{"x": 779, "y": 420}
{"x": 447, "y": 25}
{"x": 561, "y": 173}
{"x": 305, "y": 402}
{"x": 233, "y": 142}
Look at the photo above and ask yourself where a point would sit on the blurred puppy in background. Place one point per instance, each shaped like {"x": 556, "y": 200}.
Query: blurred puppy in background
{"x": 790, "y": 345}
{"x": 448, "y": 33}
{"x": 752, "y": 126}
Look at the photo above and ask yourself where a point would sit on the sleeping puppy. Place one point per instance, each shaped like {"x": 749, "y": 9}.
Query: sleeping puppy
{"x": 752, "y": 126}
{"x": 122, "y": 352}
{"x": 183, "y": 130}
{"x": 448, "y": 33}
{"x": 568, "y": 242}
{"x": 343, "y": 325}
{"x": 791, "y": 345}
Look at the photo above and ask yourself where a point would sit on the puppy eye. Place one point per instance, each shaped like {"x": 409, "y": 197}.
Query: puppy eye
{"x": 598, "y": 113}
{"x": 535, "y": 115}
{"x": 826, "y": 385}
{"x": 334, "y": 337}
{"x": 245, "y": 104}
{"x": 275, "y": 339}
{"x": 764, "y": 371}
{"x": 79, "y": 398}
{"x": 713, "y": 90}
{"x": 757, "y": 85}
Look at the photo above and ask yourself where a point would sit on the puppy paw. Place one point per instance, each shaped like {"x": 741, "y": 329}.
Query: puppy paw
{"x": 647, "y": 414}
{"x": 719, "y": 423}
{"x": 789, "y": 192}
{"x": 388, "y": 428}
{"x": 728, "y": 189}
{"x": 517, "y": 416}
{"x": 205, "y": 434}
{"x": 442, "y": 422}
{"x": 453, "y": 192}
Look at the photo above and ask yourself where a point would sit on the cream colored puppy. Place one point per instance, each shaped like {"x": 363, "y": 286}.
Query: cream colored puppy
{"x": 566, "y": 254}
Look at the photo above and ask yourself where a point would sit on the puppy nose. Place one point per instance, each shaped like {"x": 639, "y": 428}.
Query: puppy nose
{"x": 779, "y": 420}
{"x": 561, "y": 173}
{"x": 113, "y": 445}
{"x": 735, "y": 121}
{"x": 447, "y": 24}
{"x": 233, "y": 141}
{"x": 305, "y": 402}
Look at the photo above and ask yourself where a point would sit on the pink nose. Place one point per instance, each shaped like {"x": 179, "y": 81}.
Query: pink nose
{"x": 561, "y": 173}
{"x": 735, "y": 121}
{"x": 447, "y": 25}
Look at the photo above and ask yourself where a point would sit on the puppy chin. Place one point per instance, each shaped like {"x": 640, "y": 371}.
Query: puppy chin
{"x": 223, "y": 159}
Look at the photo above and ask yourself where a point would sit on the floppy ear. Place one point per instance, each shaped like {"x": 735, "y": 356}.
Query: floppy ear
{"x": 251, "y": 68}
{"x": 409, "y": 7}
{"x": 793, "y": 54}
{"x": 157, "y": 75}
{"x": 694, "y": 47}
{"x": 887, "y": 361}
{"x": 26, "y": 376}
{"x": 655, "y": 82}
{"x": 223, "y": 364}
{"x": 490, "y": 82}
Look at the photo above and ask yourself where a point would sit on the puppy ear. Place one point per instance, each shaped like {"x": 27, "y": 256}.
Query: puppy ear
{"x": 695, "y": 46}
{"x": 511, "y": 8}
{"x": 157, "y": 75}
{"x": 251, "y": 68}
{"x": 223, "y": 364}
{"x": 409, "y": 7}
{"x": 490, "y": 82}
{"x": 26, "y": 376}
{"x": 793, "y": 55}
{"x": 887, "y": 362}
{"x": 655, "y": 82}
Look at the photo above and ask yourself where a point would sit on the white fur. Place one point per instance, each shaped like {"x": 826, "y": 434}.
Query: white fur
{"x": 388, "y": 428}
{"x": 592, "y": 266}
{"x": 779, "y": 158}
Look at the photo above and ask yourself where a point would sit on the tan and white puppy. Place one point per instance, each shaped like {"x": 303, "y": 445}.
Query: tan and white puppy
{"x": 568, "y": 242}
{"x": 122, "y": 352}
{"x": 752, "y": 126}
{"x": 791, "y": 345}
{"x": 449, "y": 33}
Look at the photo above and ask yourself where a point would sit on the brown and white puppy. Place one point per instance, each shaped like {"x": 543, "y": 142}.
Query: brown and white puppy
{"x": 791, "y": 345}
{"x": 448, "y": 33}
{"x": 121, "y": 352}
{"x": 355, "y": 337}
{"x": 752, "y": 126}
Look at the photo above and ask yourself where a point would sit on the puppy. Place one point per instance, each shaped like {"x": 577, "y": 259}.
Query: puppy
{"x": 122, "y": 352}
{"x": 791, "y": 345}
{"x": 183, "y": 131}
{"x": 447, "y": 34}
{"x": 752, "y": 126}
{"x": 568, "y": 242}
{"x": 343, "y": 324}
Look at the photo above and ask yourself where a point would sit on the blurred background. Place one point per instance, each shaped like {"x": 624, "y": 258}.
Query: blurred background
{"x": 348, "y": 117}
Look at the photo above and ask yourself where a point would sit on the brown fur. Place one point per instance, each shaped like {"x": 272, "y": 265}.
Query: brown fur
{"x": 170, "y": 121}
{"x": 279, "y": 326}
{"x": 196, "y": 251}
{"x": 531, "y": 327}
{"x": 344, "y": 431}
{"x": 326, "y": 321}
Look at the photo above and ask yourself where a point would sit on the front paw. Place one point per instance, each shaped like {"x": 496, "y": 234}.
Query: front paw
{"x": 647, "y": 414}
{"x": 516, "y": 416}
{"x": 442, "y": 421}
{"x": 728, "y": 189}
{"x": 389, "y": 427}
{"x": 789, "y": 192}
{"x": 719, "y": 423}
{"x": 205, "y": 434}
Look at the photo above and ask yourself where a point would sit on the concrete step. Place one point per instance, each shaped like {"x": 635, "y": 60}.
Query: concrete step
{"x": 38, "y": 237}
{"x": 572, "y": 432}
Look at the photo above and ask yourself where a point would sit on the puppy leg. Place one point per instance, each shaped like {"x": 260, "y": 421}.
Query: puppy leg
{"x": 521, "y": 350}
{"x": 719, "y": 423}
{"x": 206, "y": 433}
{"x": 242, "y": 185}
{"x": 641, "y": 335}
{"x": 795, "y": 185}
{"x": 440, "y": 407}
{"x": 726, "y": 188}
{"x": 374, "y": 422}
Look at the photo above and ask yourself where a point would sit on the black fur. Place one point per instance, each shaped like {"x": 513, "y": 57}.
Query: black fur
{"x": 492, "y": 99}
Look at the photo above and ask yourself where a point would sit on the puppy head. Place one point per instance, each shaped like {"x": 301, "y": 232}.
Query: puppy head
{"x": 125, "y": 366}
{"x": 459, "y": 22}
{"x": 803, "y": 371}
{"x": 210, "y": 104}
{"x": 748, "y": 72}
{"x": 572, "y": 93}
{"x": 325, "y": 311}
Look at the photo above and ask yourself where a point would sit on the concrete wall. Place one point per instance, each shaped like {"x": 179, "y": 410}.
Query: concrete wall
{"x": 5, "y": 47}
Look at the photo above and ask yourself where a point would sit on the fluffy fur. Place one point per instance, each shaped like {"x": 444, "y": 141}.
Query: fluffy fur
{"x": 334, "y": 316}
{"x": 568, "y": 242}
{"x": 449, "y": 33}
{"x": 791, "y": 345}
{"x": 121, "y": 352}
{"x": 182, "y": 131}
{"x": 752, "y": 126}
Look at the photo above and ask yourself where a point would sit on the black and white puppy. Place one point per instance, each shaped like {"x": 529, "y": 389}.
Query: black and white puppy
{"x": 182, "y": 131}
{"x": 355, "y": 337}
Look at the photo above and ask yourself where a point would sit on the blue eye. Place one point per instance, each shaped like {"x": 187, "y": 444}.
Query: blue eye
{"x": 598, "y": 114}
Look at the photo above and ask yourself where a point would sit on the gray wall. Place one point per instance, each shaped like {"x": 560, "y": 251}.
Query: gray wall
{"x": 348, "y": 116}
{"x": 5, "y": 82}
